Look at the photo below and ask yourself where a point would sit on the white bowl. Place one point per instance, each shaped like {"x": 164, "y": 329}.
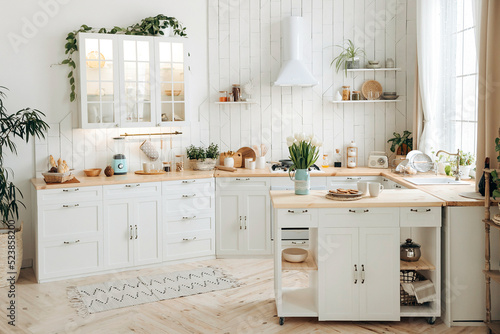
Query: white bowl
{"x": 295, "y": 254}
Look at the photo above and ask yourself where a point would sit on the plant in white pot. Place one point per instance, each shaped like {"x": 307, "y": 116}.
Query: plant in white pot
{"x": 24, "y": 124}
{"x": 466, "y": 162}
{"x": 201, "y": 158}
{"x": 348, "y": 58}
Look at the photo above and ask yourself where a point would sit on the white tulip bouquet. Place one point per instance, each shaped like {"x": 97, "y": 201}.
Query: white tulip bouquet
{"x": 304, "y": 150}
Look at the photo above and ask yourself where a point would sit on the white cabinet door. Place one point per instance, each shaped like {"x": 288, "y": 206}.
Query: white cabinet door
{"x": 229, "y": 223}
{"x": 147, "y": 231}
{"x": 339, "y": 275}
{"x": 118, "y": 233}
{"x": 379, "y": 274}
{"x": 256, "y": 223}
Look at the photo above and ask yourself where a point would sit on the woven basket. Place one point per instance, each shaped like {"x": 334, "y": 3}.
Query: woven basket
{"x": 408, "y": 276}
{"x": 5, "y": 269}
{"x": 57, "y": 177}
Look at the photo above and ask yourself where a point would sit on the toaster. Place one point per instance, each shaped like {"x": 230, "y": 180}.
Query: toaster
{"x": 378, "y": 159}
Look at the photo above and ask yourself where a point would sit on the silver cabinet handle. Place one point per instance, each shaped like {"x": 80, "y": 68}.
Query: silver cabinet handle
{"x": 187, "y": 196}
{"x": 385, "y": 180}
{"x": 71, "y": 242}
{"x": 70, "y": 205}
{"x": 188, "y": 181}
{"x": 240, "y": 224}
{"x": 298, "y": 212}
{"x": 131, "y": 233}
{"x": 189, "y": 239}
{"x": 245, "y": 179}
{"x": 355, "y": 274}
{"x": 186, "y": 218}
{"x": 356, "y": 211}
{"x": 71, "y": 190}
{"x": 417, "y": 210}
{"x": 132, "y": 185}
{"x": 362, "y": 274}
{"x": 298, "y": 243}
{"x": 245, "y": 222}
{"x": 398, "y": 186}
{"x": 353, "y": 178}
{"x": 136, "y": 234}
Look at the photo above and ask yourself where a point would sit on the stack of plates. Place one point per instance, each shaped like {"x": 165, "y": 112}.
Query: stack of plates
{"x": 419, "y": 161}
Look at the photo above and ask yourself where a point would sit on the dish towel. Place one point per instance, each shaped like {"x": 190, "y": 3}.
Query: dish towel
{"x": 423, "y": 290}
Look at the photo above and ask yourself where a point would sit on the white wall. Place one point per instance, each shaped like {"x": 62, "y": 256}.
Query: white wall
{"x": 234, "y": 41}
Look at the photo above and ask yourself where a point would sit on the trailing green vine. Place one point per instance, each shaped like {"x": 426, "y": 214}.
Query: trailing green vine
{"x": 150, "y": 26}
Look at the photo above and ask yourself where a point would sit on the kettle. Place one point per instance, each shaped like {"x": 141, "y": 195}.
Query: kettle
{"x": 410, "y": 251}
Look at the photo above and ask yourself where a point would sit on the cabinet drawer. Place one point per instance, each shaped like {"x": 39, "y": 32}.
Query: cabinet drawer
{"x": 420, "y": 217}
{"x": 243, "y": 183}
{"x": 189, "y": 224}
{"x": 188, "y": 246}
{"x": 187, "y": 203}
{"x": 298, "y": 218}
{"x": 76, "y": 256}
{"x": 69, "y": 220}
{"x": 207, "y": 187}
{"x": 132, "y": 190}
{"x": 359, "y": 217}
{"x": 77, "y": 194}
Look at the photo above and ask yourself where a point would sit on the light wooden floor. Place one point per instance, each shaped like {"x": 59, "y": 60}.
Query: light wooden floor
{"x": 44, "y": 308}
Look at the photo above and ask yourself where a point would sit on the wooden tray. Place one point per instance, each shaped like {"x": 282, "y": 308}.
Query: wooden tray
{"x": 371, "y": 86}
{"x": 344, "y": 197}
{"x": 159, "y": 172}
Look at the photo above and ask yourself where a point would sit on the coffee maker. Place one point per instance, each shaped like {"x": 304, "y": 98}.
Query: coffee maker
{"x": 119, "y": 160}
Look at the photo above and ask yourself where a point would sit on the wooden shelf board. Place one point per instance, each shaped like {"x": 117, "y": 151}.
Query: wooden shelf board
{"x": 299, "y": 302}
{"x": 419, "y": 311}
{"x": 493, "y": 274}
{"x": 421, "y": 264}
{"x": 491, "y": 223}
{"x": 243, "y": 102}
{"x": 494, "y": 326}
{"x": 308, "y": 264}
{"x": 364, "y": 101}
{"x": 374, "y": 69}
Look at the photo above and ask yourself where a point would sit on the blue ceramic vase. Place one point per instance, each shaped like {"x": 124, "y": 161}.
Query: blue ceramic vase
{"x": 302, "y": 181}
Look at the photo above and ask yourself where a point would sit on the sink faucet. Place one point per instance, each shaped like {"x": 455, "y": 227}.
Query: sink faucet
{"x": 457, "y": 171}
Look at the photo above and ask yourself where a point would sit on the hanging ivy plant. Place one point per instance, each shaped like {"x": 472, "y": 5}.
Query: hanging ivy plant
{"x": 150, "y": 26}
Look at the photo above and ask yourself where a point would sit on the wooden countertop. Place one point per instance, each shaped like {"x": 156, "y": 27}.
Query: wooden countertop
{"x": 101, "y": 180}
{"x": 286, "y": 199}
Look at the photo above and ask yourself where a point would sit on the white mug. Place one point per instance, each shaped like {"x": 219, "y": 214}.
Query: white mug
{"x": 247, "y": 162}
{"x": 229, "y": 162}
{"x": 363, "y": 186}
{"x": 146, "y": 167}
{"x": 251, "y": 165}
{"x": 375, "y": 188}
{"x": 261, "y": 163}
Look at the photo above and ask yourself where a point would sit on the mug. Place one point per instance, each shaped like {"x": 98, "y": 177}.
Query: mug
{"x": 261, "y": 163}
{"x": 251, "y": 165}
{"x": 247, "y": 162}
{"x": 363, "y": 186}
{"x": 375, "y": 188}
{"x": 146, "y": 167}
{"x": 229, "y": 162}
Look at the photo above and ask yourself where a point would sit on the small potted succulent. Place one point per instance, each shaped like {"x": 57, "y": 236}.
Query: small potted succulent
{"x": 201, "y": 158}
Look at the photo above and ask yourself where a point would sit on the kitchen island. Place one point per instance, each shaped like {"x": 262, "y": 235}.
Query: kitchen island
{"x": 353, "y": 263}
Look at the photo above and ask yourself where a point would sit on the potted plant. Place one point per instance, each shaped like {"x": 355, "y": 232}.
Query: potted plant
{"x": 348, "y": 58}
{"x": 201, "y": 158}
{"x": 401, "y": 144}
{"x": 304, "y": 152}
{"x": 24, "y": 124}
{"x": 466, "y": 161}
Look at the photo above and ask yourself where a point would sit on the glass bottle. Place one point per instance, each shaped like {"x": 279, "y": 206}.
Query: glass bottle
{"x": 337, "y": 158}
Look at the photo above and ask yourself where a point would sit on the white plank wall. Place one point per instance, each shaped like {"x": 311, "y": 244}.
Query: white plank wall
{"x": 244, "y": 44}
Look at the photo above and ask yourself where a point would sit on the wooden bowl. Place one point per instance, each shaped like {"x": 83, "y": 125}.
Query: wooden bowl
{"x": 92, "y": 172}
{"x": 295, "y": 254}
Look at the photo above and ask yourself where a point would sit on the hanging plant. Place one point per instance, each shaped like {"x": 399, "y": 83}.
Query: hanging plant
{"x": 150, "y": 26}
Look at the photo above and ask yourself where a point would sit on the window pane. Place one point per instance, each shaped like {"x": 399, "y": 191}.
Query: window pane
{"x": 129, "y": 50}
{"x": 106, "y": 48}
{"x": 179, "y": 112}
{"x": 143, "y": 92}
{"x": 144, "y": 112}
{"x": 469, "y": 101}
{"x": 165, "y": 52}
{"x": 130, "y": 71}
{"x": 143, "y": 71}
{"x": 107, "y": 91}
{"x": 107, "y": 113}
{"x": 178, "y": 72}
{"x": 177, "y": 52}
{"x": 92, "y": 91}
{"x": 165, "y": 72}
{"x": 468, "y": 14}
{"x": 91, "y": 45}
{"x": 93, "y": 113}
{"x": 458, "y": 100}
{"x": 460, "y": 15}
{"x": 143, "y": 50}
{"x": 166, "y": 92}
{"x": 107, "y": 71}
{"x": 166, "y": 112}
{"x": 459, "y": 53}
{"x": 469, "y": 55}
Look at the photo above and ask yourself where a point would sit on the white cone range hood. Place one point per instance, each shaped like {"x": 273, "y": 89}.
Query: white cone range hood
{"x": 293, "y": 72}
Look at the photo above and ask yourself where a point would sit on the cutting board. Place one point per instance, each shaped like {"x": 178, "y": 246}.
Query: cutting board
{"x": 158, "y": 172}
{"x": 246, "y": 153}
{"x": 238, "y": 161}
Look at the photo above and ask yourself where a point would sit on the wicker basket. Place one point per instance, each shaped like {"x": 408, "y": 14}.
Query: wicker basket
{"x": 409, "y": 276}
{"x": 57, "y": 177}
{"x": 4, "y": 255}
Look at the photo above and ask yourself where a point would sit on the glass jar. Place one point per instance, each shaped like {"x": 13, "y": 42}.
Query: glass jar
{"x": 179, "y": 163}
{"x": 325, "y": 163}
{"x": 236, "y": 93}
{"x": 231, "y": 97}
{"x": 223, "y": 96}
{"x": 346, "y": 93}
{"x": 356, "y": 95}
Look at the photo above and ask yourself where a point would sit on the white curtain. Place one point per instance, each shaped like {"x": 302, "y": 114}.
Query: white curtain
{"x": 429, "y": 51}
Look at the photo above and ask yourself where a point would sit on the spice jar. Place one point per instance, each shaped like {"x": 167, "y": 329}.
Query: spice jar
{"x": 223, "y": 96}
{"x": 179, "y": 163}
{"x": 356, "y": 95}
{"x": 346, "y": 93}
{"x": 236, "y": 92}
{"x": 231, "y": 97}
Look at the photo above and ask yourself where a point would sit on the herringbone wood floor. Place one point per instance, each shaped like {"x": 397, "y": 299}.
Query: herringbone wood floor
{"x": 44, "y": 308}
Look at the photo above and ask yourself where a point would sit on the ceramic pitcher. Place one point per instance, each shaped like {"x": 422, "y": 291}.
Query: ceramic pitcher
{"x": 302, "y": 181}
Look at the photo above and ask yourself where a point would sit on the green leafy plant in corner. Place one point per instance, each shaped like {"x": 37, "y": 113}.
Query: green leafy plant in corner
{"x": 496, "y": 179}
{"x": 149, "y": 26}
{"x": 24, "y": 124}
{"x": 497, "y": 148}
{"x": 402, "y": 143}
{"x": 200, "y": 153}
{"x": 348, "y": 53}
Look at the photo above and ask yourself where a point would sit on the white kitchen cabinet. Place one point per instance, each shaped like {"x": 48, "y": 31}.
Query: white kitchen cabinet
{"x": 243, "y": 217}
{"x": 132, "y": 81}
{"x": 359, "y": 266}
{"x": 349, "y": 182}
{"x": 389, "y": 184}
{"x": 133, "y": 225}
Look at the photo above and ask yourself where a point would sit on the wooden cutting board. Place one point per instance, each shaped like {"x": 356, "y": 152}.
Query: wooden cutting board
{"x": 237, "y": 159}
{"x": 246, "y": 153}
{"x": 158, "y": 172}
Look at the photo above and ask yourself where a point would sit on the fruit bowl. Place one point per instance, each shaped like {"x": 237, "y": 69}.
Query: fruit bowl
{"x": 295, "y": 254}
{"x": 92, "y": 172}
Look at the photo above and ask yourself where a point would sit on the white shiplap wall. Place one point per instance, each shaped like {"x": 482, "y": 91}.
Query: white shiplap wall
{"x": 244, "y": 40}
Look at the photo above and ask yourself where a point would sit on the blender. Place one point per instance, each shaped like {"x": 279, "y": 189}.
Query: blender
{"x": 119, "y": 161}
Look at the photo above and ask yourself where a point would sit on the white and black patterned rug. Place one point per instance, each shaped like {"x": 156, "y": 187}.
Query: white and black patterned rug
{"x": 106, "y": 296}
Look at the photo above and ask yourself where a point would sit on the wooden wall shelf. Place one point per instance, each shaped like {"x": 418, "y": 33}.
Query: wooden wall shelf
{"x": 421, "y": 264}
{"x": 308, "y": 264}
